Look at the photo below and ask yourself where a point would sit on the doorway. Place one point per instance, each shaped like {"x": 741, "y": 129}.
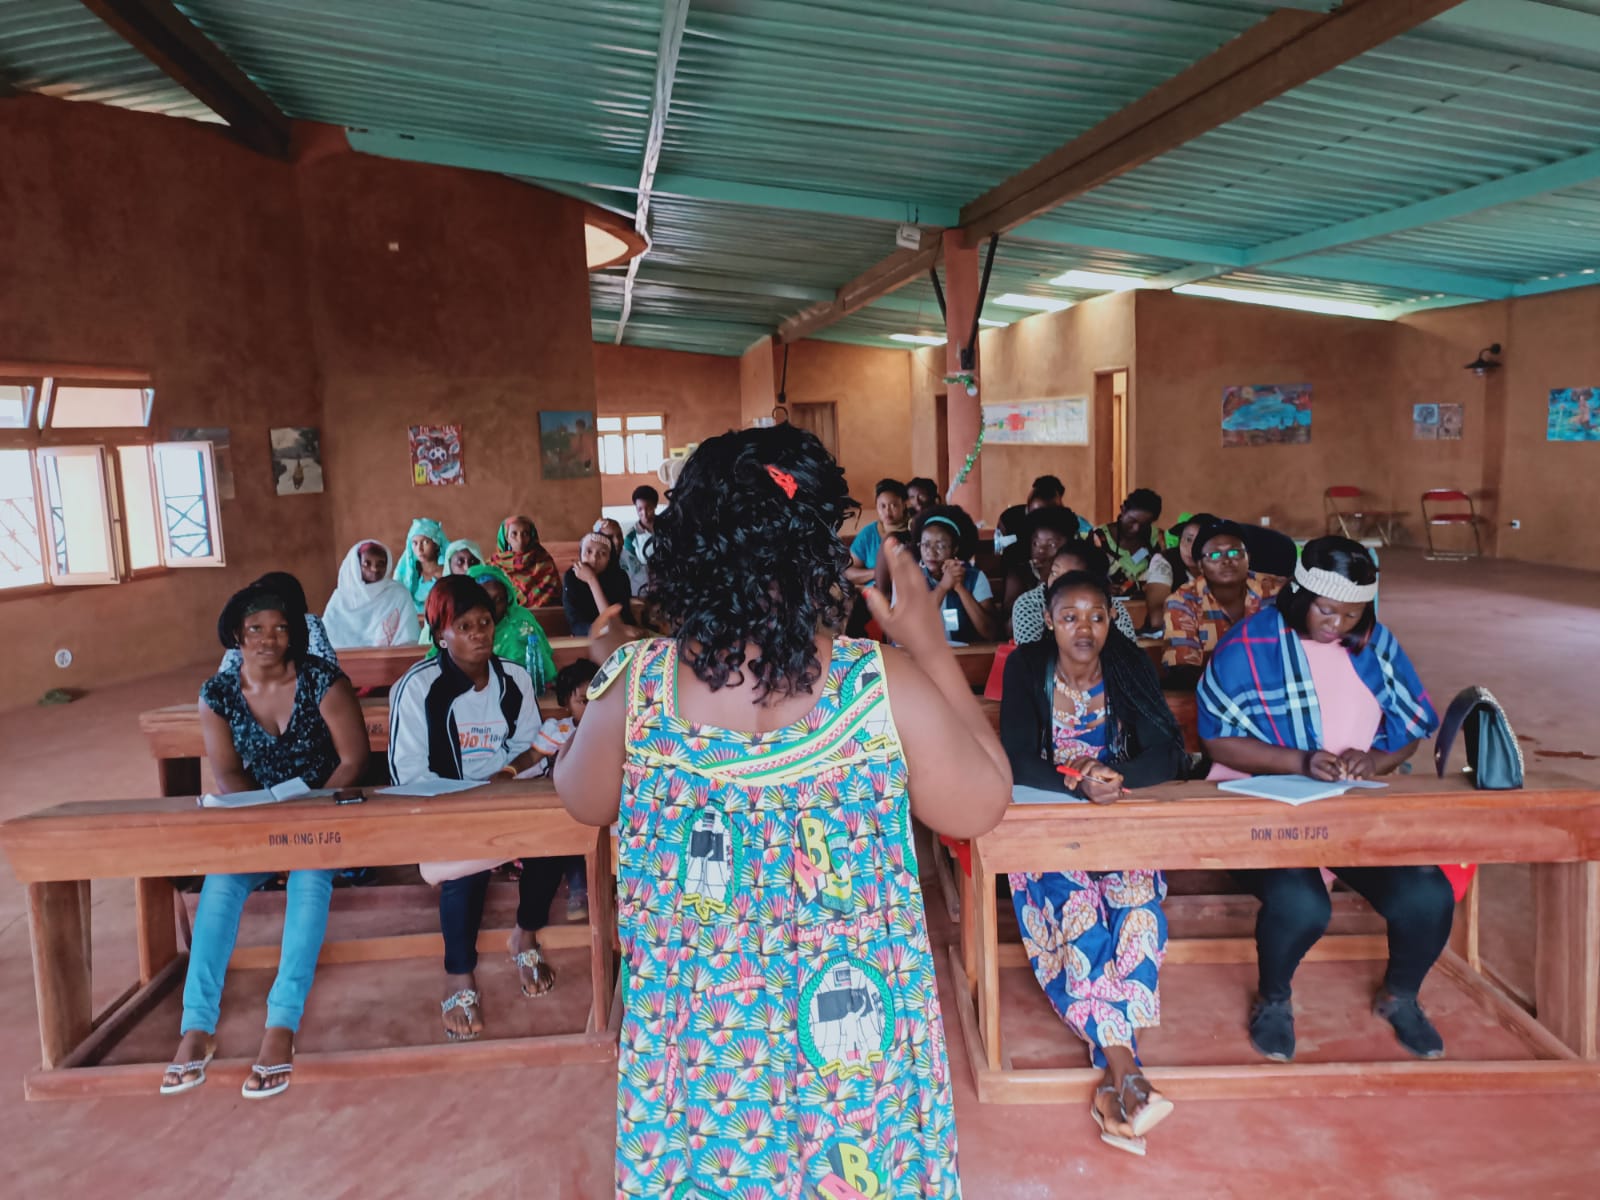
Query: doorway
{"x": 820, "y": 419}
{"x": 1110, "y": 443}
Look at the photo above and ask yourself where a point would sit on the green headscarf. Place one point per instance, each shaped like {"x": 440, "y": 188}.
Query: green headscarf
{"x": 407, "y": 570}
{"x": 518, "y": 635}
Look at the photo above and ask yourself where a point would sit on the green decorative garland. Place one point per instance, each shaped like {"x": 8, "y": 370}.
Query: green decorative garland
{"x": 966, "y": 467}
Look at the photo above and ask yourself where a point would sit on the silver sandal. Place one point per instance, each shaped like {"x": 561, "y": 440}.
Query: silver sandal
{"x": 466, "y": 1000}
{"x": 1157, "y": 1108}
{"x": 198, "y": 1066}
{"x": 266, "y": 1075}
{"x": 544, "y": 975}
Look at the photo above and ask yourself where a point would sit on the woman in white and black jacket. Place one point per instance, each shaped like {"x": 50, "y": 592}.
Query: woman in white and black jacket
{"x": 1082, "y": 715}
{"x": 467, "y": 714}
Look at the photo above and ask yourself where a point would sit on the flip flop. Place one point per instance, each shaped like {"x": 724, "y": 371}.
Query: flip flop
{"x": 466, "y": 999}
{"x": 1157, "y": 1108}
{"x": 187, "y": 1085}
{"x": 266, "y": 1075}
{"x": 1133, "y": 1145}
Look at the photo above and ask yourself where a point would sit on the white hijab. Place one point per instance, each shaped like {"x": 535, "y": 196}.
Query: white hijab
{"x": 369, "y": 614}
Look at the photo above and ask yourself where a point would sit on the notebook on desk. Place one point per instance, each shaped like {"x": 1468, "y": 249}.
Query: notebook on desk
{"x": 1294, "y": 789}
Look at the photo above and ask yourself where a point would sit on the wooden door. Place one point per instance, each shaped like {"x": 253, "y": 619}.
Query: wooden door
{"x": 820, "y": 419}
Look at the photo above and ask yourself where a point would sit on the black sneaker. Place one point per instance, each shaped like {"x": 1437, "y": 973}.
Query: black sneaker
{"x": 1272, "y": 1029}
{"x": 1411, "y": 1024}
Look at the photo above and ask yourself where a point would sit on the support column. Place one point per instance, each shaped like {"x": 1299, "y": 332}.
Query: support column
{"x": 963, "y": 412}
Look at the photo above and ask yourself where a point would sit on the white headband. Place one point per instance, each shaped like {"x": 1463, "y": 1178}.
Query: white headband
{"x": 1333, "y": 586}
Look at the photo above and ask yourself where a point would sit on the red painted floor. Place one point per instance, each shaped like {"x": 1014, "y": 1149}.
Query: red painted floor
{"x": 1524, "y": 632}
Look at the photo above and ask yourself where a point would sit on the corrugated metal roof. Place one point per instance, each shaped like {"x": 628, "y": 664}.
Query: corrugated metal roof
{"x": 889, "y": 109}
{"x": 59, "y": 48}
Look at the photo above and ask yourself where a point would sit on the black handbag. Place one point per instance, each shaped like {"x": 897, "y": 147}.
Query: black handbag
{"x": 1494, "y": 757}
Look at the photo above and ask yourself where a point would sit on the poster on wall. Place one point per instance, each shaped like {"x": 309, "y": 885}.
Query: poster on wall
{"x": 1270, "y": 414}
{"x": 221, "y": 454}
{"x": 567, "y": 445}
{"x": 1038, "y": 423}
{"x": 1574, "y": 415}
{"x": 1436, "y": 422}
{"x": 297, "y": 460}
{"x": 436, "y": 456}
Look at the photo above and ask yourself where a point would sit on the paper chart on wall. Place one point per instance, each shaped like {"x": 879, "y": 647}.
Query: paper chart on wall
{"x": 1038, "y": 423}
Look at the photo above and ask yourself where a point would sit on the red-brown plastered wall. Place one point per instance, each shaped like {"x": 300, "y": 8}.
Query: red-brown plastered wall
{"x": 1052, "y": 356}
{"x": 445, "y": 296}
{"x": 140, "y": 241}
{"x": 698, "y": 393}
{"x": 1190, "y": 349}
{"x": 871, "y": 390}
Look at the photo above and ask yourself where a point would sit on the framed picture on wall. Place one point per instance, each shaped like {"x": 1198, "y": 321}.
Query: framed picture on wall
{"x": 297, "y": 460}
{"x": 1574, "y": 415}
{"x": 567, "y": 445}
{"x": 1266, "y": 414}
{"x": 436, "y": 456}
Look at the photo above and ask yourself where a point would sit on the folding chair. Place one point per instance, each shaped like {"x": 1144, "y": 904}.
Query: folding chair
{"x": 1452, "y": 516}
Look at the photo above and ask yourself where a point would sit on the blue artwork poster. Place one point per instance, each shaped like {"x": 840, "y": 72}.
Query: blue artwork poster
{"x": 1574, "y": 415}
{"x": 1266, "y": 415}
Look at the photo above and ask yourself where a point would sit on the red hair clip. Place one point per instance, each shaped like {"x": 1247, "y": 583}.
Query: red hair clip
{"x": 783, "y": 479}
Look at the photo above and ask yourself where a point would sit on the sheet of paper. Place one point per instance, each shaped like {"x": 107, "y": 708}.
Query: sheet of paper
{"x": 1293, "y": 789}
{"x": 272, "y": 795}
{"x": 289, "y": 789}
{"x": 432, "y": 787}
{"x": 1022, "y": 794}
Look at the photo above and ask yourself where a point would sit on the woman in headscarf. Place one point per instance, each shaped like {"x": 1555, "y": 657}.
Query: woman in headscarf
{"x": 423, "y": 563}
{"x": 518, "y": 636}
{"x": 531, "y": 569}
{"x": 461, "y": 555}
{"x": 368, "y": 608}
{"x": 1312, "y": 684}
{"x": 593, "y": 584}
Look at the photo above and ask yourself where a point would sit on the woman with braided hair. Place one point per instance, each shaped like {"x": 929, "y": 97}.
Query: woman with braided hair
{"x": 1083, "y": 716}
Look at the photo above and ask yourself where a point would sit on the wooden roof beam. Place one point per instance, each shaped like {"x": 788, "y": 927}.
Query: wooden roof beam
{"x": 1287, "y": 49}
{"x": 157, "y": 30}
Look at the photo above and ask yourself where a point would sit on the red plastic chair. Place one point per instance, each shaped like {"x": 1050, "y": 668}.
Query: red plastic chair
{"x": 1453, "y": 516}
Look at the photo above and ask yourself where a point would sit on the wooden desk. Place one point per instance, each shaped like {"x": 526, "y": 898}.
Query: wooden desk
{"x": 1554, "y": 822}
{"x": 381, "y": 666}
{"x": 58, "y": 852}
{"x": 173, "y": 735}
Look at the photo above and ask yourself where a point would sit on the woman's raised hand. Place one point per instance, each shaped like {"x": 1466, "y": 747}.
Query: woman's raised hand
{"x": 912, "y": 621}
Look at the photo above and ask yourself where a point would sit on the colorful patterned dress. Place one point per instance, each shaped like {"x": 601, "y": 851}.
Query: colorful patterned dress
{"x": 1095, "y": 938}
{"x": 781, "y": 1034}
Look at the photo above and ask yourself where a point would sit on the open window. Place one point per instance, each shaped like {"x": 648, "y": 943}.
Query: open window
{"x": 189, "y": 527}
{"x": 77, "y": 528}
{"x": 631, "y": 445}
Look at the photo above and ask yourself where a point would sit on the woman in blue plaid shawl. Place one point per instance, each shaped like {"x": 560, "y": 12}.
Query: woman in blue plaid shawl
{"x": 1313, "y": 685}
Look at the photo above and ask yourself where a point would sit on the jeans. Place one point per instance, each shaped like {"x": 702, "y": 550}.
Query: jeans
{"x": 461, "y": 909}
{"x": 216, "y": 927}
{"x": 1417, "y": 903}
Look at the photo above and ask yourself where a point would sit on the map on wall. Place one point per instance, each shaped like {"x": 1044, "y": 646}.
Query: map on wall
{"x": 1037, "y": 423}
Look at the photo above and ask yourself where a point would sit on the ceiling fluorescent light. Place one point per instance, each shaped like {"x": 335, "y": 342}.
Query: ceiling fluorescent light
{"x": 1313, "y": 304}
{"x": 918, "y": 339}
{"x": 988, "y": 324}
{"x": 1097, "y": 281}
{"x": 1032, "y": 303}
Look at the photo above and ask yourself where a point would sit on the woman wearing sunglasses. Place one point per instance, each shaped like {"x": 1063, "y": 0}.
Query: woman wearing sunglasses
{"x": 1225, "y": 592}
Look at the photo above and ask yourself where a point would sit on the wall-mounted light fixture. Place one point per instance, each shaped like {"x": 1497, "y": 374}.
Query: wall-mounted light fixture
{"x": 1488, "y": 360}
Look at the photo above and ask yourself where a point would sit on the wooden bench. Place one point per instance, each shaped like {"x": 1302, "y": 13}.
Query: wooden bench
{"x": 977, "y": 659}
{"x": 58, "y": 852}
{"x": 381, "y": 666}
{"x": 173, "y": 735}
{"x": 1553, "y": 822}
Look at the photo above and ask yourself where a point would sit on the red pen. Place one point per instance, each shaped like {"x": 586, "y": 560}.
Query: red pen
{"x": 1072, "y": 775}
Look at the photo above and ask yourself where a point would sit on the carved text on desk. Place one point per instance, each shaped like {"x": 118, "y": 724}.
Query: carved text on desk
{"x": 309, "y": 837}
{"x": 1289, "y": 833}
{"x": 377, "y": 729}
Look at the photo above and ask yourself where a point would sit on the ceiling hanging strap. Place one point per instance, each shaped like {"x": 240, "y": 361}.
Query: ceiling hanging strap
{"x": 968, "y": 358}
{"x": 783, "y": 380}
{"x": 938, "y": 292}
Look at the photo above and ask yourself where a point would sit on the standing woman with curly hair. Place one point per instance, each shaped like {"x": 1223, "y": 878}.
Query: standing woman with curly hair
{"x": 781, "y": 1031}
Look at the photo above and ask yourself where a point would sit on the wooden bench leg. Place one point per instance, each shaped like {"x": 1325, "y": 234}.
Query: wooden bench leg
{"x": 58, "y": 923}
{"x": 155, "y": 911}
{"x": 1567, "y": 952}
{"x": 984, "y": 916}
{"x": 969, "y": 931}
{"x": 602, "y": 926}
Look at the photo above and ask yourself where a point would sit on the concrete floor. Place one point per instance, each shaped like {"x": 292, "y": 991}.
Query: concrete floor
{"x": 1522, "y": 631}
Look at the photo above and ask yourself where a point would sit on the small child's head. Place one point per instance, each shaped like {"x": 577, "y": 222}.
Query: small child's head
{"x": 572, "y": 686}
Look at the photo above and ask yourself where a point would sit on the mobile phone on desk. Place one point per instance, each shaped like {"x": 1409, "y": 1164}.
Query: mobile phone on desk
{"x": 349, "y": 796}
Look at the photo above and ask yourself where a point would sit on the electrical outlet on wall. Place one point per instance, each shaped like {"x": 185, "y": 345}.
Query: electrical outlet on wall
{"x": 63, "y": 658}
{"x": 1516, "y": 524}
